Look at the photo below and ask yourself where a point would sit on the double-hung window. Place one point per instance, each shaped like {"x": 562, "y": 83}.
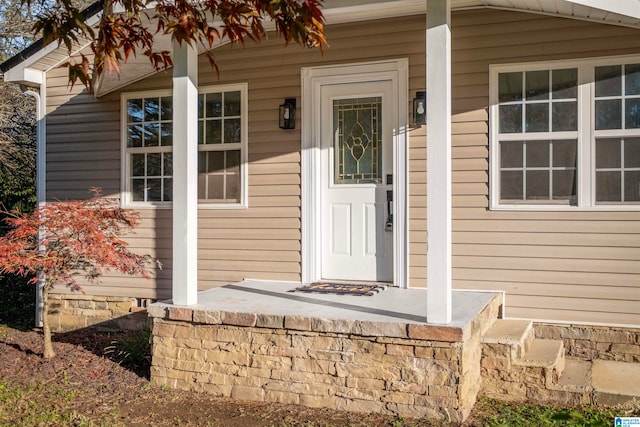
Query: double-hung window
{"x": 222, "y": 147}
{"x": 566, "y": 134}
{"x": 148, "y": 141}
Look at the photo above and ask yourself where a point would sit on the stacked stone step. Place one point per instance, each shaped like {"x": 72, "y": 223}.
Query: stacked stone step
{"x": 516, "y": 366}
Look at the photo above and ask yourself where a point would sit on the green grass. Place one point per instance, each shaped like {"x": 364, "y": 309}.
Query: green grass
{"x": 31, "y": 406}
{"x": 503, "y": 414}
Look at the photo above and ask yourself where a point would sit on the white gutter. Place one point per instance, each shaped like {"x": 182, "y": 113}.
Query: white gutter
{"x": 41, "y": 165}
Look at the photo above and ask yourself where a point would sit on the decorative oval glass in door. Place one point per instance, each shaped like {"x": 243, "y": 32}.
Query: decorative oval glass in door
{"x": 358, "y": 141}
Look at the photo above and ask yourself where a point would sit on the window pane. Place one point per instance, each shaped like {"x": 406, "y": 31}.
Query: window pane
{"x": 168, "y": 164}
{"x": 137, "y": 165}
{"x": 167, "y": 190}
{"x": 632, "y": 79}
{"x": 511, "y": 185}
{"x": 609, "y": 114}
{"x": 202, "y": 161}
{"x": 537, "y": 185}
{"x": 166, "y": 108}
{"x": 509, "y": 87}
{"x": 564, "y": 154}
{"x": 564, "y": 116}
{"x": 202, "y": 186}
{"x": 215, "y": 161}
{"x": 358, "y": 141}
{"x": 632, "y": 114}
{"x": 215, "y": 187}
{"x": 537, "y": 117}
{"x": 564, "y": 184}
{"x": 233, "y": 161}
{"x": 154, "y": 164}
{"x": 166, "y": 134}
{"x": 537, "y": 154}
{"x": 632, "y": 186}
{"x": 232, "y": 103}
{"x": 233, "y": 188}
{"x": 632, "y": 152}
{"x": 154, "y": 190}
{"x": 134, "y": 110}
{"x": 565, "y": 83}
{"x": 151, "y": 134}
{"x": 137, "y": 190}
{"x": 151, "y": 110}
{"x": 608, "y": 187}
{"x": 537, "y": 85}
{"x": 608, "y": 153}
{"x": 232, "y": 131}
{"x": 213, "y": 133}
{"x": 200, "y": 105}
{"x": 134, "y": 136}
{"x": 609, "y": 81}
{"x": 511, "y": 154}
{"x": 213, "y": 105}
{"x": 510, "y": 118}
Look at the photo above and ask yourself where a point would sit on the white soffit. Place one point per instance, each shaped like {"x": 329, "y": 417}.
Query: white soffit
{"x": 615, "y": 12}
{"x": 630, "y": 8}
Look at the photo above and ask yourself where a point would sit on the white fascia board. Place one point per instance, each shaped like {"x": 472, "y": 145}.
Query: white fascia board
{"x": 629, "y": 8}
{"x": 31, "y": 62}
{"x": 24, "y": 76}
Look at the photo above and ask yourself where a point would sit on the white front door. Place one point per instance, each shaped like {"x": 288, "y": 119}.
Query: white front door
{"x": 356, "y": 134}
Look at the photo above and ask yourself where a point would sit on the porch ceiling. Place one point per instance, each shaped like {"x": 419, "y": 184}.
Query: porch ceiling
{"x": 620, "y": 12}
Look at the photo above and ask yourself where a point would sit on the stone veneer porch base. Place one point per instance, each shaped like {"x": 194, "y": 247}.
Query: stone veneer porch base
{"x": 398, "y": 367}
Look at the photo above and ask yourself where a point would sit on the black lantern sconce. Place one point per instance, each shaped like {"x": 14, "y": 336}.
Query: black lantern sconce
{"x": 420, "y": 108}
{"x": 287, "y": 119}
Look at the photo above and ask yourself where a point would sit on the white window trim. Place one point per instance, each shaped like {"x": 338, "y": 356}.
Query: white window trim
{"x": 244, "y": 137}
{"x": 586, "y": 132}
{"x": 125, "y": 163}
{"x": 125, "y": 166}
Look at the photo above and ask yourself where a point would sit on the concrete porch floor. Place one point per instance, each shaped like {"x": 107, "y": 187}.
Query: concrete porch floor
{"x": 393, "y": 305}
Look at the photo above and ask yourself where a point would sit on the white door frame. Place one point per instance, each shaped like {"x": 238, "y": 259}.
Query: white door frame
{"x": 313, "y": 78}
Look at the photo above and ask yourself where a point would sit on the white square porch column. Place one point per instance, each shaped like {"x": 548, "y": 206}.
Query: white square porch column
{"x": 439, "y": 161}
{"x": 185, "y": 174}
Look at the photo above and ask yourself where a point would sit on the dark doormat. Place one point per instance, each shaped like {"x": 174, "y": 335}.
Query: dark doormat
{"x": 341, "y": 289}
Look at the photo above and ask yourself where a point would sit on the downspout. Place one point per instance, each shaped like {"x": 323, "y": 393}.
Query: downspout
{"x": 41, "y": 165}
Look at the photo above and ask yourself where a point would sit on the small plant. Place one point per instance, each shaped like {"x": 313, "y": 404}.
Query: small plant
{"x": 586, "y": 416}
{"x": 132, "y": 350}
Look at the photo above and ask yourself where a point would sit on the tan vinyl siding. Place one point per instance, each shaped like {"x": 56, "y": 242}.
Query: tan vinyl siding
{"x": 563, "y": 266}
{"x": 262, "y": 241}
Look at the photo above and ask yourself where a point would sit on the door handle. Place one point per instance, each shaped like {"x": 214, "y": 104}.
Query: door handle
{"x": 388, "y": 225}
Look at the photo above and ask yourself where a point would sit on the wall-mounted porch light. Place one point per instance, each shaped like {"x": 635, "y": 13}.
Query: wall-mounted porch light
{"x": 287, "y": 119}
{"x": 420, "y": 108}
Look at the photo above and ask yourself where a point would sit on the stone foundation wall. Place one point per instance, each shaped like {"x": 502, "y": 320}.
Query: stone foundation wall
{"x": 594, "y": 342}
{"x": 305, "y": 361}
{"x": 70, "y": 311}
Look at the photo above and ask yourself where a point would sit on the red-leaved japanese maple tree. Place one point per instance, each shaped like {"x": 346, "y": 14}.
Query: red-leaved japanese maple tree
{"x": 64, "y": 241}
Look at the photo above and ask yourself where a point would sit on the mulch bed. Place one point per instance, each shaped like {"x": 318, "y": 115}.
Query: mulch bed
{"x": 105, "y": 393}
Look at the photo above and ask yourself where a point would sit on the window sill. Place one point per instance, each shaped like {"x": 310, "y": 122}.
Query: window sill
{"x": 168, "y": 205}
{"x": 564, "y": 208}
